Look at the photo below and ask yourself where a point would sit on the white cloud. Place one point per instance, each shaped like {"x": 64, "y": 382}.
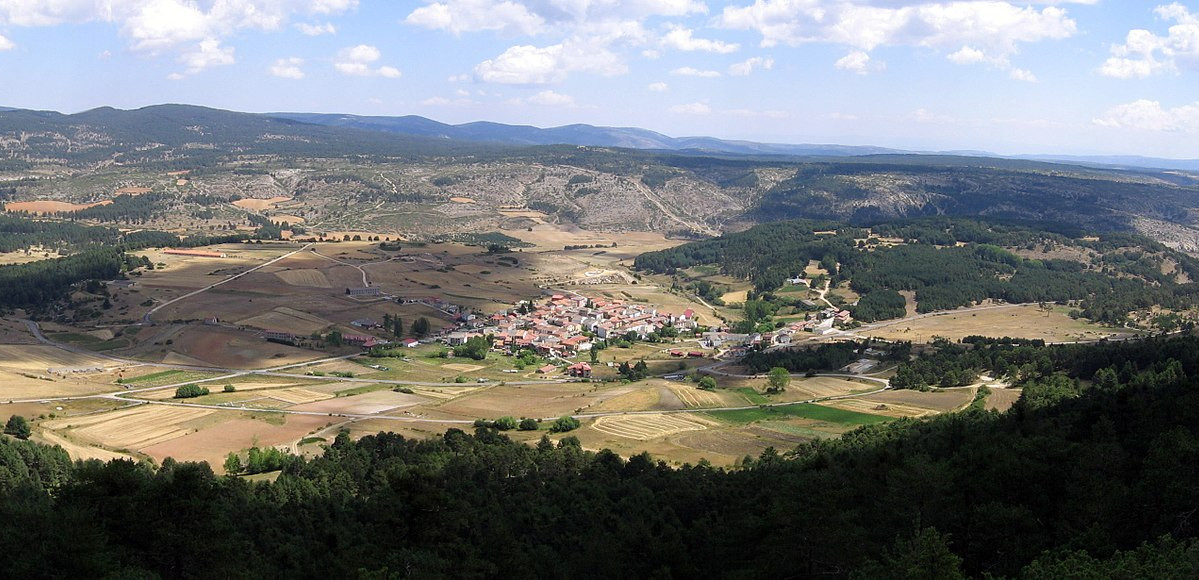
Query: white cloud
{"x": 1146, "y": 115}
{"x": 208, "y": 54}
{"x": 681, "y": 38}
{"x": 994, "y": 28}
{"x": 551, "y": 98}
{"x": 357, "y": 61}
{"x": 1019, "y": 74}
{"x": 691, "y": 109}
{"x": 1145, "y": 54}
{"x": 843, "y": 117}
{"x": 966, "y": 55}
{"x": 658, "y": 87}
{"x": 288, "y": 68}
{"x": 687, "y": 71}
{"x": 6, "y": 44}
{"x": 860, "y": 62}
{"x": 532, "y": 65}
{"x": 458, "y": 16}
{"x": 316, "y": 29}
{"x": 747, "y": 66}
{"x": 192, "y": 30}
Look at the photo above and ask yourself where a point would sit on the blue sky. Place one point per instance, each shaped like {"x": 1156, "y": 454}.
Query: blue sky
{"x": 1050, "y": 76}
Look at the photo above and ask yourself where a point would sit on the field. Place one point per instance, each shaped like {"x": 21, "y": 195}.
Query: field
{"x": 644, "y": 427}
{"x": 804, "y": 410}
{"x": 46, "y": 206}
{"x": 131, "y": 429}
{"x": 259, "y": 204}
{"x": 1002, "y": 399}
{"x": 1023, "y": 321}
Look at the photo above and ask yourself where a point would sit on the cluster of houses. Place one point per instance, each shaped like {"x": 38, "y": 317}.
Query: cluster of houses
{"x": 563, "y": 325}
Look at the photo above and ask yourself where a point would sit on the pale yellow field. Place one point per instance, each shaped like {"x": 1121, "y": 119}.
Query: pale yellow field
{"x": 50, "y": 206}
{"x": 25, "y": 357}
{"x": 1023, "y": 321}
{"x": 877, "y": 408}
{"x": 693, "y": 397}
{"x": 77, "y": 451}
{"x": 287, "y": 320}
{"x": 307, "y": 277}
{"x": 134, "y": 428}
{"x": 259, "y": 204}
{"x": 298, "y": 395}
{"x": 645, "y": 427}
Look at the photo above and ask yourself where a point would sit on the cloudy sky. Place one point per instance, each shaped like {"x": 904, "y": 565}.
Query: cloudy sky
{"x": 1049, "y": 76}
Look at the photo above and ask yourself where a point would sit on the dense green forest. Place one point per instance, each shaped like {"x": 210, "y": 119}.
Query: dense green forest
{"x": 1100, "y": 480}
{"x": 949, "y": 263}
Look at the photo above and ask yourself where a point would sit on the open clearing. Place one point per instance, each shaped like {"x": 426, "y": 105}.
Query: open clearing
{"x": 645, "y": 427}
{"x": 934, "y": 401}
{"x": 259, "y": 204}
{"x": 1024, "y": 321}
{"x": 77, "y": 451}
{"x": 46, "y": 206}
{"x": 214, "y": 443}
{"x": 1002, "y": 399}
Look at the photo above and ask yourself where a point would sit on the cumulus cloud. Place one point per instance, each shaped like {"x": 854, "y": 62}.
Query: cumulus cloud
{"x": 358, "y": 60}
{"x": 1022, "y": 75}
{"x": 747, "y": 66}
{"x": 658, "y": 87}
{"x": 192, "y": 30}
{"x": 552, "y": 99}
{"x": 288, "y": 68}
{"x": 691, "y": 109}
{"x": 6, "y": 44}
{"x": 1145, "y": 54}
{"x": 533, "y": 65}
{"x": 966, "y": 55}
{"x": 1147, "y": 115}
{"x": 687, "y": 71}
{"x": 859, "y": 62}
{"x": 458, "y": 16}
{"x": 993, "y": 29}
{"x": 316, "y": 29}
{"x": 681, "y": 38}
{"x": 208, "y": 54}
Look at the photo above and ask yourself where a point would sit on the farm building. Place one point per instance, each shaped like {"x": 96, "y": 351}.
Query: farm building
{"x": 196, "y": 253}
{"x": 410, "y": 343}
{"x": 362, "y": 291}
{"x": 547, "y": 369}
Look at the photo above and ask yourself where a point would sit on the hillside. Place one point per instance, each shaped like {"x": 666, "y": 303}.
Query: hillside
{"x": 946, "y": 264}
{"x": 1084, "y": 480}
{"x": 353, "y": 173}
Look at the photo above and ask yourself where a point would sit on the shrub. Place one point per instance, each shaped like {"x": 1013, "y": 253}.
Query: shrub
{"x": 190, "y": 391}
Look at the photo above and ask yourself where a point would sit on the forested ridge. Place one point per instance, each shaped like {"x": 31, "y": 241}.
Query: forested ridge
{"x": 1098, "y": 483}
{"x": 949, "y": 263}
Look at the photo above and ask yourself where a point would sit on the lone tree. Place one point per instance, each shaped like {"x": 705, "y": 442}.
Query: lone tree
{"x": 707, "y": 383}
{"x": 18, "y": 427}
{"x": 565, "y": 423}
{"x": 779, "y": 379}
{"x": 420, "y": 327}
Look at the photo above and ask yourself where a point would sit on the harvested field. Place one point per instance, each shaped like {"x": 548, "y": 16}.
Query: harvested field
{"x": 77, "y": 451}
{"x": 133, "y": 428}
{"x": 938, "y": 401}
{"x": 693, "y": 397}
{"x": 34, "y": 385}
{"x": 213, "y": 444}
{"x": 645, "y": 427}
{"x": 802, "y": 389}
{"x": 633, "y": 398}
{"x": 297, "y": 396}
{"x": 25, "y": 357}
{"x": 551, "y": 400}
{"x": 287, "y": 320}
{"x": 226, "y": 348}
{"x": 462, "y": 200}
{"x": 873, "y": 407}
{"x": 375, "y": 402}
{"x": 259, "y": 204}
{"x": 733, "y": 444}
{"x": 1002, "y": 399}
{"x": 1022, "y": 321}
{"x": 307, "y": 277}
{"x": 50, "y": 206}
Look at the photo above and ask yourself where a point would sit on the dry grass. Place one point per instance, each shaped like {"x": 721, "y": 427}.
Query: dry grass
{"x": 133, "y": 428}
{"x": 645, "y": 427}
{"x": 1002, "y": 399}
{"x": 45, "y": 206}
{"x": 1024, "y": 321}
{"x": 259, "y": 204}
{"x": 306, "y": 277}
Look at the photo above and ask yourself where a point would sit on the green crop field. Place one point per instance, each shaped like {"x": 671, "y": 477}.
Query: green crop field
{"x": 803, "y": 411}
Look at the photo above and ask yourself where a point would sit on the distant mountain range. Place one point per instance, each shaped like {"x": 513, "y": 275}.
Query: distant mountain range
{"x": 635, "y": 138}
{"x": 578, "y": 134}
